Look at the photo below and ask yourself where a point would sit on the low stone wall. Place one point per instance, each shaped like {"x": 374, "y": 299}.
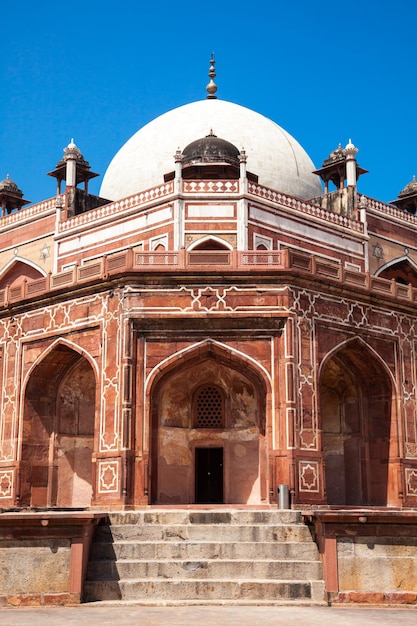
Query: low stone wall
{"x": 43, "y": 556}
{"x": 369, "y": 556}
{"x": 377, "y": 563}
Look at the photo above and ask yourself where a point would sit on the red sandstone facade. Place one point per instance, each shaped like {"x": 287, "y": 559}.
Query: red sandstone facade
{"x": 205, "y": 341}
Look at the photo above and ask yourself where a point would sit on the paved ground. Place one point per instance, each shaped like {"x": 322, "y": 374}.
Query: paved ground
{"x": 134, "y": 615}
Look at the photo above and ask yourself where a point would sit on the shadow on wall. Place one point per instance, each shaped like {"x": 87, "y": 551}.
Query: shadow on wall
{"x": 102, "y": 579}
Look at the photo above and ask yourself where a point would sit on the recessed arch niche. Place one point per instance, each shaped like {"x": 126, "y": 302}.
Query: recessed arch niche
{"x": 355, "y": 402}
{"x": 209, "y": 243}
{"x": 227, "y": 386}
{"x": 402, "y": 270}
{"x": 17, "y": 272}
{"x": 58, "y": 431}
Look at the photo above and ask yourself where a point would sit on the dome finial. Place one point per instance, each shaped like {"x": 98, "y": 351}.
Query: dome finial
{"x": 212, "y": 87}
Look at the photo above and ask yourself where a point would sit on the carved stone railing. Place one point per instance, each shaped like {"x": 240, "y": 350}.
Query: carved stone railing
{"x": 207, "y": 187}
{"x": 120, "y": 206}
{"x": 27, "y": 213}
{"x": 388, "y": 209}
{"x": 305, "y": 207}
{"x": 285, "y": 262}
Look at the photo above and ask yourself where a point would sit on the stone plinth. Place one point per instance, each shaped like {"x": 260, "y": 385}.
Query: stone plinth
{"x": 369, "y": 555}
{"x": 43, "y": 556}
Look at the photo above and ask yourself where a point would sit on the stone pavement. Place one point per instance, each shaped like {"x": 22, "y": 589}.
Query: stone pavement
{"x": 134, "y": 615}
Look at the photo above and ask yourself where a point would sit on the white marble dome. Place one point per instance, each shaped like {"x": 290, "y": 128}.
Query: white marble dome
{"x": 272, "y": 154}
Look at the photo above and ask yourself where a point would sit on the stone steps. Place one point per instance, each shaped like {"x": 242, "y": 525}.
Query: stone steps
{"x": 208, "y": 532}
{"x": 158, "y": 602}
{"x": 220, "y": 569}
{"x": 193, "y": 516}
{"x": 152, "y": 550}
{"x": 205, "y": 589}
{"x": 162, "y": 557}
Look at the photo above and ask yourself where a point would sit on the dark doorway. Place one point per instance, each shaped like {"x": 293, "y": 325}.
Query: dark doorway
{"x": 209, "y": 475}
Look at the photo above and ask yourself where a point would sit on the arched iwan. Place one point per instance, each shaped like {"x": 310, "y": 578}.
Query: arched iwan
{"x": 57, "y": 429}
{"x": 207, "y": 408}
{"x": 356, "y": 419}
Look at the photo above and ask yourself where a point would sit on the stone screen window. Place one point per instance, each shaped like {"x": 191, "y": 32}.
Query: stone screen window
{"x": 208, "y": 408}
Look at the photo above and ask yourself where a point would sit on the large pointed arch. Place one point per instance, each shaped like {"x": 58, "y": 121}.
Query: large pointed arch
{"x": 230, "y": 439}
{"x": 356, "y": 415}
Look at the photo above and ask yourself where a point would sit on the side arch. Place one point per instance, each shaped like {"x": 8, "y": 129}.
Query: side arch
{"x": 210, "y": 242}
{"x": 18, "y": 260}
{"x": 18, "y": 270}
{"x": 57, "y": 429}
{"x": 356, "y": 391}
{"x": 362, "y": 345}
{"x": 402, "y": 269}
{"x": 64, "y": 343}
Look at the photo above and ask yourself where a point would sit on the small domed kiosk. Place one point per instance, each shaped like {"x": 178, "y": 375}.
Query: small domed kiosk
{"x": 210, "y": 157}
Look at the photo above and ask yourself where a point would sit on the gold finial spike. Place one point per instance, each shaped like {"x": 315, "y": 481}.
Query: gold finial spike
{"x": 212, "y": 87}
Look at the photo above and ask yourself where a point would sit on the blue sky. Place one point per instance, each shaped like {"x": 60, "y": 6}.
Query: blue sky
{"x": 99, "y": 70}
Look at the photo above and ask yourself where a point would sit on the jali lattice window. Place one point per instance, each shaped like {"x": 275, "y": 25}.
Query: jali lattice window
{"x": 209, "y": 408}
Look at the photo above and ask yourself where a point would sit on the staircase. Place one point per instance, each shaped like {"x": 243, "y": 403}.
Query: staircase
{"x": 222, "y": 556}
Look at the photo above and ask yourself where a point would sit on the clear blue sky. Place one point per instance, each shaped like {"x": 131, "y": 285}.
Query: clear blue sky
{"x": 99, "y": 70}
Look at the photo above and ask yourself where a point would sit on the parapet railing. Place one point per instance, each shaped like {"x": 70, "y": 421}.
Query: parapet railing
{"x": 28, "y": 213}
{"x": 119, "y": 206}
{"x": 202, "y": 261}
{"x": 306, "y": 207}
{"x": 390, "y": 210}
{"x": 193, "y": 187}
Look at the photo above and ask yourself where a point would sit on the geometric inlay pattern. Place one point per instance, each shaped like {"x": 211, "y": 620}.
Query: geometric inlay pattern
{"x": 411, "y": 482}
{"x": 209, "y": 408}
{"x": 108, "y": 477}
{"x": 6, "y": 484}
{"x": 308, "y": 476}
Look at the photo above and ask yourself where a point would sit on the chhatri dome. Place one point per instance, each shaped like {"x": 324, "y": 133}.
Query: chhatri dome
{"x": 272, "y": 154}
